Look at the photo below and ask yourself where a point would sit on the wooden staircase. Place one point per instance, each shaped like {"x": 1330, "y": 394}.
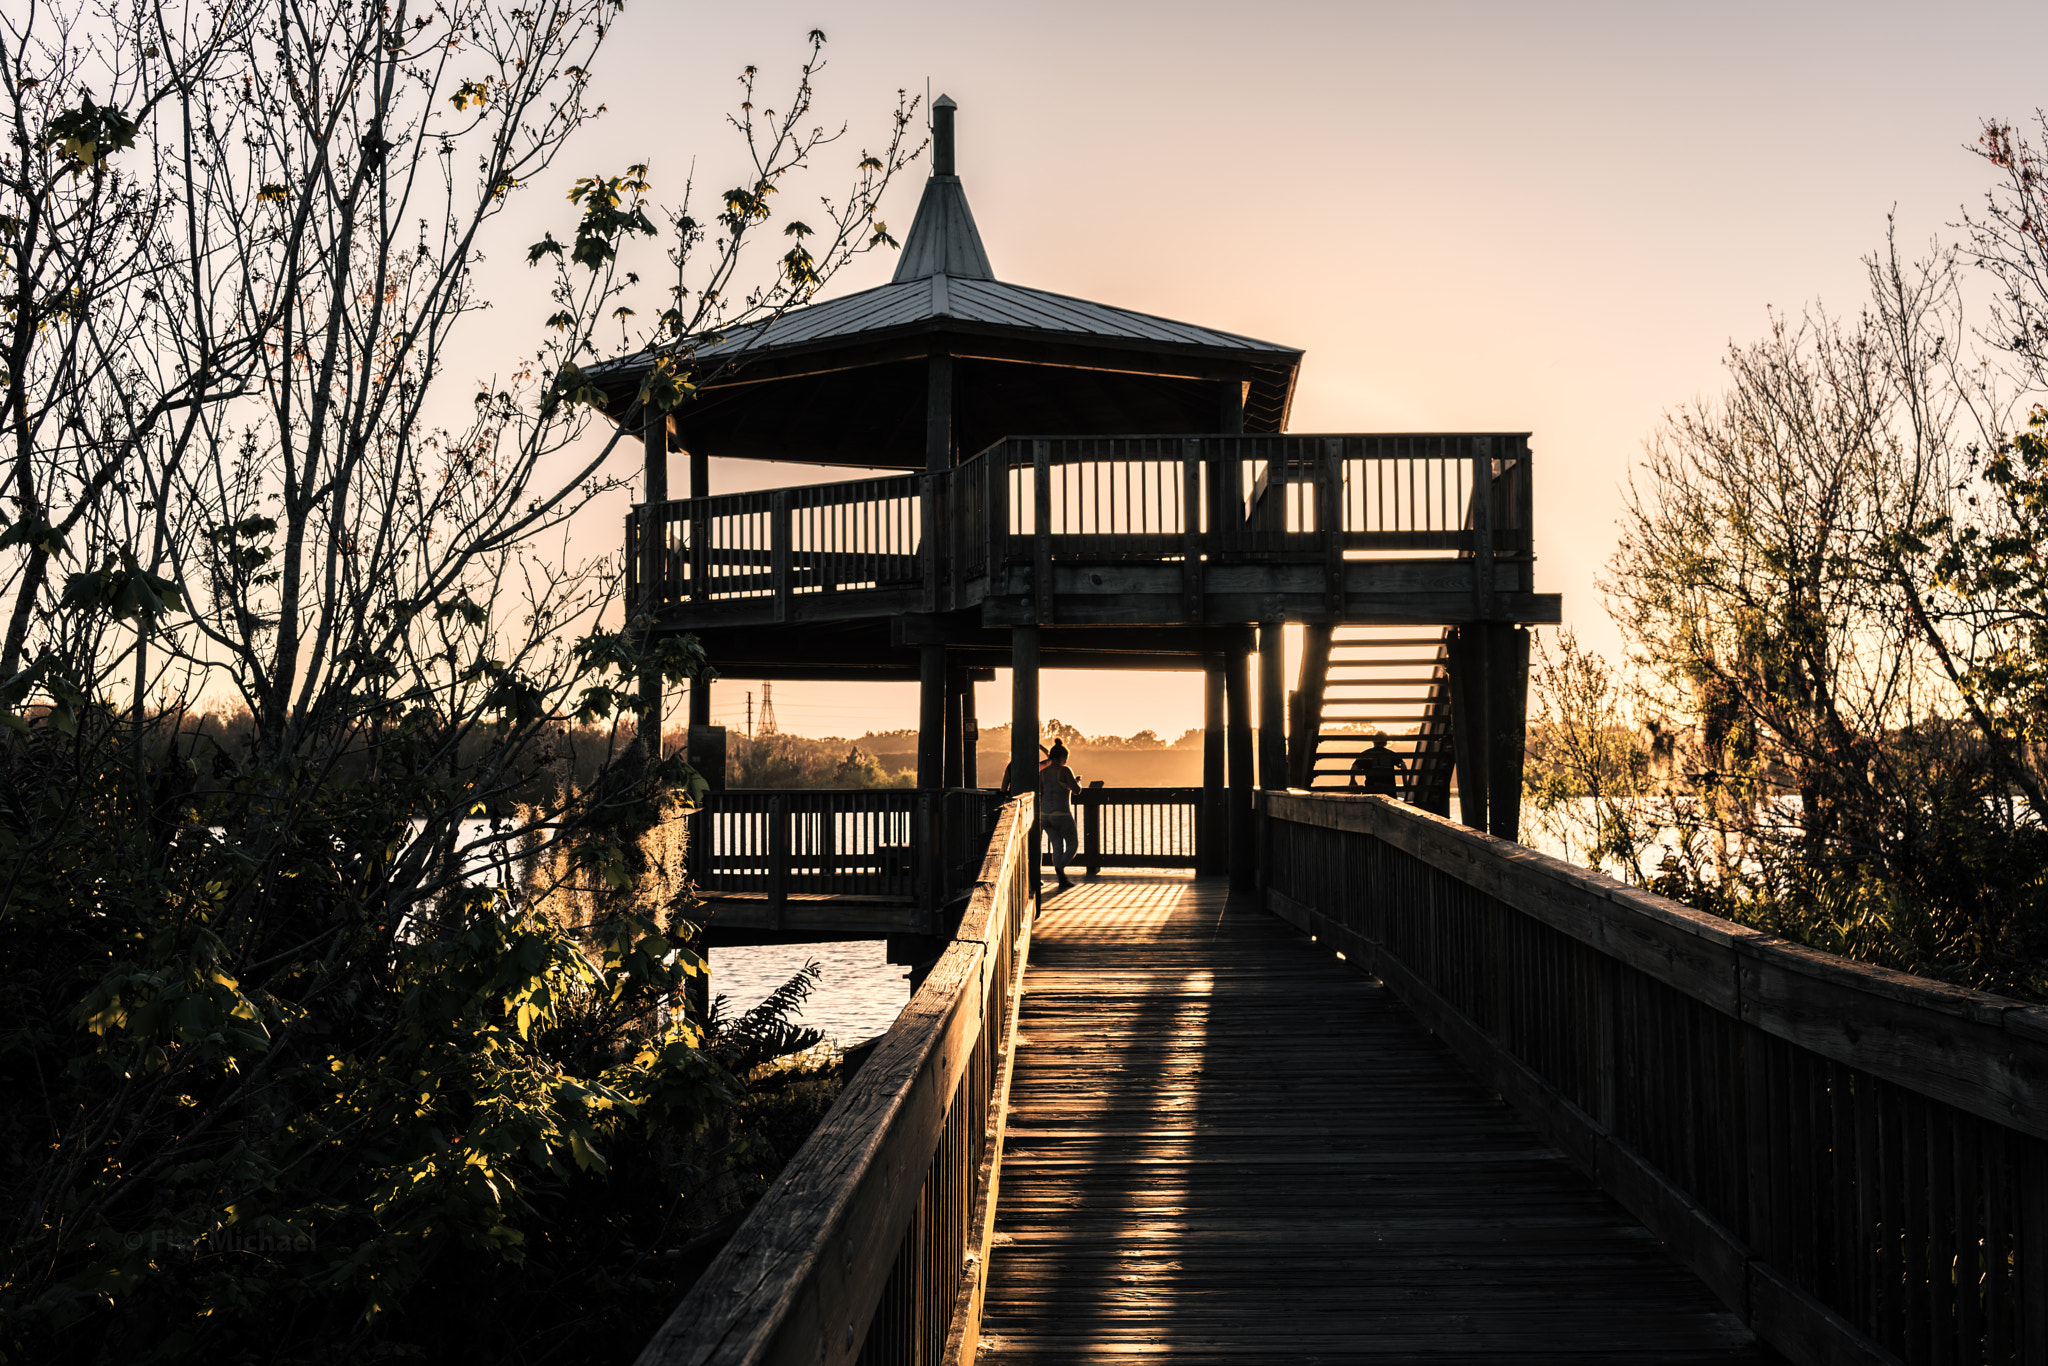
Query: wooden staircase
{"x": 1358, "y": 679}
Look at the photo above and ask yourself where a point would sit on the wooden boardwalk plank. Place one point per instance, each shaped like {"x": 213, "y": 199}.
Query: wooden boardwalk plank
{"x": 1226, "y": 1145}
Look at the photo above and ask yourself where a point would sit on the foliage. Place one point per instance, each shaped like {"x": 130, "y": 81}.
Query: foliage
{"x": 346, "y": 1003}
{"x": 1829, "y": 581}
{"x": 1588, "y": 772}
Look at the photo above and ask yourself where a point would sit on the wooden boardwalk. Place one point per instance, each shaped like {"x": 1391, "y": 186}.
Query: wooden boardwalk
{"x": 1226, "y": 1145}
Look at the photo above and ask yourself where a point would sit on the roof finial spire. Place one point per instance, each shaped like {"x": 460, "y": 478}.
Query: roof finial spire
{"x": 942, "y": 238}
{"x": 942, "y": 135}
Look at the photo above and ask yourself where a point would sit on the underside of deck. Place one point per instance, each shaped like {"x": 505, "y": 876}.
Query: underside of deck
{"x": 1225, "y": 1144}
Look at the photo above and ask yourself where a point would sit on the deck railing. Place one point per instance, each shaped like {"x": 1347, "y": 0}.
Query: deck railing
{"x": 1852, "y": 1158}
{"x": 1139, "y": 827}
{"x": 923, "y": 542}
{"x": 871, "y": 1244}
{"x": 875, "y": 843}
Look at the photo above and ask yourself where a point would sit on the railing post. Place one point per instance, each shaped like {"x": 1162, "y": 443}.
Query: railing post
{"x": 700, "y": 522}
{"x": 1482, "y": 528}
{"x": 929, "y": 857}
{"x": 779, "y": 551}
{"x": 1191, "y": 529}
{"x": 928, "y": 519}
{"x": 778, "y": 861}
{"x": 1091, "y": 829}
{"x": 995, "y": 474}
{"x": 1330, "y": 522}
{"x": 1041, "y": 528}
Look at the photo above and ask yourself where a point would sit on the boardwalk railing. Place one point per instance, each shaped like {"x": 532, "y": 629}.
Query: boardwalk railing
{"x": 1139, "y": 827}
{"x": 927, "y": 542}
{"x": 1852, "y": 1158}
{"x": 871, "y": 1244}
{"x": 873, "y": 843}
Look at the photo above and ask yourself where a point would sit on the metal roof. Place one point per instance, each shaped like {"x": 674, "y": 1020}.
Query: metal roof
{"x": 944, "y": 281}
{"x": 991, "y": 303}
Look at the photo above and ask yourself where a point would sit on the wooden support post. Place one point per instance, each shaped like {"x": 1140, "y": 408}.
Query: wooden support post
{"x": 1191, "y": 530}
{"x": 1315, "y": 673}
{"x": 996, "y": 473}
{"x": 1467, "y": 669}
{"x": 1230, "y": 407}
{"x": 956, "y": 682}
{"x": 1024, "y": 731}
{"x": 654, "y": 460}
{"x": 1091, "y": 829}
{"x": 927, "y": 857}
{"x": 700, "y": 702}
{"x": 938, "y": 410}
{"x": 700, "y": 526}
{"x": 1237, "y": 690}
{"x": 1212, "y": 845}
{"x": 1273, "y": 705}
{"x": 1507, "y": 718}
{"x": 1330, "y": 523}
{"x": 970, "y": 734}
{"x": 931, "y": 716}
{"x": 1482, "y": 528}
{"x": 1041, "y": 529}
{"x": 778, "y": 861}
{"x": 778, "y": 552}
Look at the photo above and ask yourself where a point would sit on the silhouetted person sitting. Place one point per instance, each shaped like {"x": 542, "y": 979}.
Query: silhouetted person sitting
{"x": 1378, "y": 770}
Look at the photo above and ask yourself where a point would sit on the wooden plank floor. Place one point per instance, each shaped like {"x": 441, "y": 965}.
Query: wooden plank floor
{"x": 1225, "y": 1144}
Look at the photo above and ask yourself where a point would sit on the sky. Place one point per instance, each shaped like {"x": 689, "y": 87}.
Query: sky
{"x": 1479, "y": 216}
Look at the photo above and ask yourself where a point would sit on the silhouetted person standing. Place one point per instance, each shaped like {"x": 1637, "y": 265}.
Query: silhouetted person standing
{"x": 1378, "y": 770}
{"x": 1056, "y": 788}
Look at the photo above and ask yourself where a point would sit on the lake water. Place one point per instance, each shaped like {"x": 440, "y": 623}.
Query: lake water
{"x": 858, "y": 997}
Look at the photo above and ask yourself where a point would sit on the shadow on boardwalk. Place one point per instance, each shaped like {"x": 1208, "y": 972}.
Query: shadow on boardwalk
{"x": 1224, "y": 1144}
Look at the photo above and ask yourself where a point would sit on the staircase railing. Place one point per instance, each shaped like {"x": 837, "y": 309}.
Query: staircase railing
{"x": 1852, "y": 1158}
{"x": 871, "y": 1244}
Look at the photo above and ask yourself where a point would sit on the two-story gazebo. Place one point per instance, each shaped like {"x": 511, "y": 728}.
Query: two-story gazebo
{"x": 1166, "y": 521}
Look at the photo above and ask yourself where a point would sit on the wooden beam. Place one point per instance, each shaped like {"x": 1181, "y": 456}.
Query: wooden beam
{"x": 938, "y": 410}
{"x": 956, "y": 683}
{"x": 1315, "y": 674}
{"x": 1273, "y": 704}
{"x": 1507, "y": 718}
{"x": 1237, "y": 695}
{"x": 1215, "y": 838}
{"x": 1469, "y": 695}
{"x": 931, "y": 716}
{"x": 970, "y": 727}
{"x": 1024, "y": 719}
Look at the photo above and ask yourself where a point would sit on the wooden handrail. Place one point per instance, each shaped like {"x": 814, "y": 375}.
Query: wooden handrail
{"x": 1853, "y": 1158}
{"x": 871, "y": 1243}
{"x": 1027, "y": 504}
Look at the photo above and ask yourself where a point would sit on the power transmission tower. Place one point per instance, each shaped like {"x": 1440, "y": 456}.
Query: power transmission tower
{"x": 768, "y": 709}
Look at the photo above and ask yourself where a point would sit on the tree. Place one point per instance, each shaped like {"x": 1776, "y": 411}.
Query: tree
{"x": 376, "y": 1011}
{"x": 1809, "y": 580}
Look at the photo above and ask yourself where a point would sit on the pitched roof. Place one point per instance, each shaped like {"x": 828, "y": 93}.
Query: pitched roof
{"x": 987, "y": 302}
{"x": 944, "y": 282}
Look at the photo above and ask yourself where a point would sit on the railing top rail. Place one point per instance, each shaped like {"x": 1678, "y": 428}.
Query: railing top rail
{"x": 1981, "y": 1053}
{"x": 800, "y": 1279}
{"x": 1026, "y": 441}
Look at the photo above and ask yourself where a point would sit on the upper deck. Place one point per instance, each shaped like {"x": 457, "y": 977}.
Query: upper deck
{"x": 1118, "y": 531}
